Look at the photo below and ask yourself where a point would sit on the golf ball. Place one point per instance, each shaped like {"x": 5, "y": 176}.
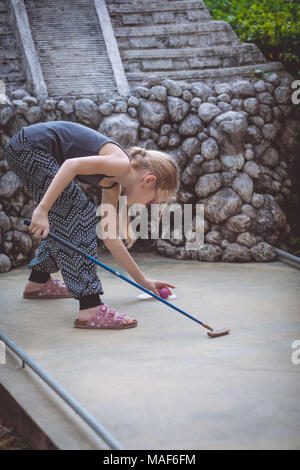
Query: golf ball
{"x": 164, "y": 292}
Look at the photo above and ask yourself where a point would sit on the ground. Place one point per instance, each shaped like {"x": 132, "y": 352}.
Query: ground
{"x": 165, "y": 384}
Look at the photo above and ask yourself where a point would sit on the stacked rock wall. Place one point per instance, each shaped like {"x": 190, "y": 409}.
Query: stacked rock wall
{"x": 234, "y": 145}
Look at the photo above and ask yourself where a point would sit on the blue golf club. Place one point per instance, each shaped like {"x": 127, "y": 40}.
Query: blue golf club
{"x": 212, "y": 332}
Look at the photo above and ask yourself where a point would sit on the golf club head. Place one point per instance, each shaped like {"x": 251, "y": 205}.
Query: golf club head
{"x": 220, "y": 332}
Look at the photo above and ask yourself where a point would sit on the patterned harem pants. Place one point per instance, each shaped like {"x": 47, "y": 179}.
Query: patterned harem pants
{"x": 72, "y": 216}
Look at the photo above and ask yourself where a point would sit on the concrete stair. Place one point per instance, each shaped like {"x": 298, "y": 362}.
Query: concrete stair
{"x": 180, "y": 40}
{"x": 70, "y": 48}
{"x": 214, "y": 33}
{"x": 191, "y": 58}
{"x": 156, "y": 12}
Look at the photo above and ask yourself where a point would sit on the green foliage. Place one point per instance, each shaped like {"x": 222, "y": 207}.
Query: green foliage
{"x": 273, "y": 25}
{"x": 9, "y": 440}
{"x": 294, "y": 246}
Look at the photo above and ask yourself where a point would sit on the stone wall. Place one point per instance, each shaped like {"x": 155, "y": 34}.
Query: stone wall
{"x": 233, "y": 144}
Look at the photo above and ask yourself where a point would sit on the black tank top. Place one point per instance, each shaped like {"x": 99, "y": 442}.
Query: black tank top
{"x": 64, "y": 140}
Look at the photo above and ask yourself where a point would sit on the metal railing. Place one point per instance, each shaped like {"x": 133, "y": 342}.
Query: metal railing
{"x": 99, "y": 429}
{"x": 287, "y": 257}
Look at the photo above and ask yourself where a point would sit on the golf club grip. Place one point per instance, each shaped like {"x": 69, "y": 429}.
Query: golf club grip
{"x": 27, "y": 221}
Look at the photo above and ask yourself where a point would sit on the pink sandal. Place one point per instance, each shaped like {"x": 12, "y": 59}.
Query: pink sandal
{"x": 106, "y": 318}
{"x": 53, "y": 289}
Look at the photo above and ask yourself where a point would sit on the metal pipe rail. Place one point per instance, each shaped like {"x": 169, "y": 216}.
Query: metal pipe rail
{"x": 288, "y": 257}
{"x": 99, "y": 429}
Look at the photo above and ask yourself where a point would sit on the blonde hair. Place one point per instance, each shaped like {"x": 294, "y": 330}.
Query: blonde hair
{"x": 164, "y": 167}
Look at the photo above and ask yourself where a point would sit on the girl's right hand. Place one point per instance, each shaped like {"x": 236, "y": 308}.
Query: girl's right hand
{"x": 155, "y": 285}
{"x": 39, "y": 222}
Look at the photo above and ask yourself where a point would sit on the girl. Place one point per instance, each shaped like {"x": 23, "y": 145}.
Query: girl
{"x": 47, "y": 157}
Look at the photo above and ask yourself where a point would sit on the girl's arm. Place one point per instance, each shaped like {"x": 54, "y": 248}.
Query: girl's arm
{"x": 63, "y": 177}
{"x": 122, "y": 256}
{"x": 119, "y": 250}
{"x": 114, "y": 164}
{"x": 120, "y": 253}
{"x": 39, "y": 219}
{"x": 114, "y": 244}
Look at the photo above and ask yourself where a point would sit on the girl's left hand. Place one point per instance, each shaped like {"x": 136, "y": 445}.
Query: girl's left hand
{"x": 154, "y": 285}
{"x": 39, "y": 222}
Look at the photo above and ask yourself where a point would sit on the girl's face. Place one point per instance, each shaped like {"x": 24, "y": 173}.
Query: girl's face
{"x": 144, "y": 192}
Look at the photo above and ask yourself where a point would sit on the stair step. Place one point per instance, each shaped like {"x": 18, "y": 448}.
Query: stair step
{"x": 213, "y": 33}
{"x": 220, "y": 51}
{"x": 153, "y": 13}
{"x": 70, "y": 46}
{"x": 193, "y": 63}
{"x": 143, "y": 7}
{"x": 209, "y": 76}
{"x": 162, "y": 30}
{"x": 5, "y": 30}
{"x": 54, "y": 74}
{"x": 191, "y": 58}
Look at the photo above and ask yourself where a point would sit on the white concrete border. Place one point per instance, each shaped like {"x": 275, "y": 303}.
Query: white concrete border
{"x": 54, "y": 423}
{"x": 112, "y": 47}
{"x": 31, "y": 62}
